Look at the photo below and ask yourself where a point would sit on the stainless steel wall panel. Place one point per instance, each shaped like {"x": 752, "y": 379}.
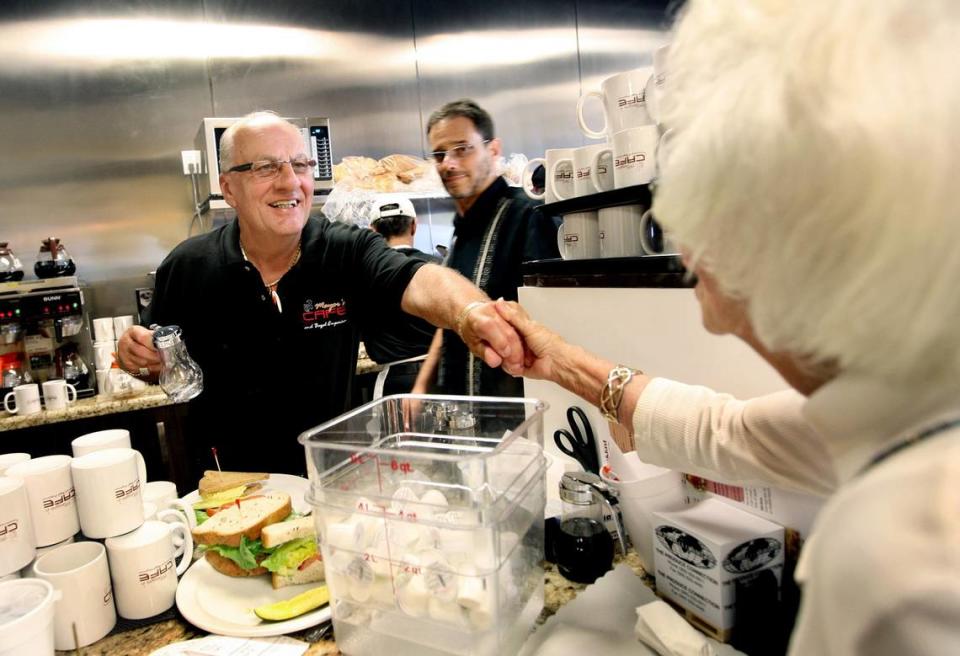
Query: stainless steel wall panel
{"x": 517, "y": 60}
{"x": 94, "y": 118}
{"x": 351, "y": 62}
{"x": 98, "y": 97}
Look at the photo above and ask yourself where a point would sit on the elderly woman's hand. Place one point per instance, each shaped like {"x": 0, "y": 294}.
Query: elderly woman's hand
{"x": 541, "y": 346}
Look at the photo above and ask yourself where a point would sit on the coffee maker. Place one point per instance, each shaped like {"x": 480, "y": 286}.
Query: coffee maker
{"x": 45, "y": 334}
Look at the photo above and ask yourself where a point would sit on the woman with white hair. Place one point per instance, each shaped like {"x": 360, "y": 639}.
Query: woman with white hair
{"x": 811, "y": 183}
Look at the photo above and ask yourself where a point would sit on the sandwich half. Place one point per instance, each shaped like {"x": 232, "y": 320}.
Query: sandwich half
{"x": 231, "y": 537}
{"x": 293, "y": 558}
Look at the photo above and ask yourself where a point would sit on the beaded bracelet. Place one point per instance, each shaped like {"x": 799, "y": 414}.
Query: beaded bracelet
{"x": 470, "y": 307}
{"x": 612, "y": 393}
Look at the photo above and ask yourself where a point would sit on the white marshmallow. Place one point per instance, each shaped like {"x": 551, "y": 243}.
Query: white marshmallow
{"x": 403, "y": 496}
{"x": 434, "y": 501}
{"x": 474, "y": 592}
{"x": 346, "y": 535}
{"x": 447, "y": 612}
{"x": 413, "y": 597}
{"x": 480, "y": 618}
{"x": 441, "y": 582}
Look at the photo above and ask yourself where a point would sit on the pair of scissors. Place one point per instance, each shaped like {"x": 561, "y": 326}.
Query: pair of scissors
{"x": 580, "y": 444}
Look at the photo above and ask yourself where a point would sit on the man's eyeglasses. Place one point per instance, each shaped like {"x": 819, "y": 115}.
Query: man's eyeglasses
{"x": 457, "y": 152}
{"x": 268, "y": 169}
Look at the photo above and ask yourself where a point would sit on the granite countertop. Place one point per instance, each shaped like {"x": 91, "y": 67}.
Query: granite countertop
{"x": 99, "y": 405}
{"x": 142, "y": 641}
{"x": 94, "y": 406}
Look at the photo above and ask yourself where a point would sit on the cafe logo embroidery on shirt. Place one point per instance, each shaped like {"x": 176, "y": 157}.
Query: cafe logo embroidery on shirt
{"x": 324, "y": 314}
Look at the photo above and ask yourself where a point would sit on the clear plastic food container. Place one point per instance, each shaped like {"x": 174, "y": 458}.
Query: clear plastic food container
{"x": 429, "y": 511}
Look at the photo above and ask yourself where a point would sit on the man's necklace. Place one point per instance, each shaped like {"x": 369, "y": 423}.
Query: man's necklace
{"x": 272, "y": 286}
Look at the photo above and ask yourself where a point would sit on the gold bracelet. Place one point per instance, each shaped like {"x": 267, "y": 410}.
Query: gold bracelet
{"x": 470, "y": 307}
{"x": 612, "y": 393}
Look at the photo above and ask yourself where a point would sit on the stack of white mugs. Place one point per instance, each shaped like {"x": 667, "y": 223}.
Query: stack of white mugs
{"x": 626, "y": 157}
{"x": 124, "y": 559}
{"x": 111, "y": 379}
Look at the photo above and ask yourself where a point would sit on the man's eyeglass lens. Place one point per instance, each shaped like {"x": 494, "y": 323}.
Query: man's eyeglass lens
{"x": 457, "y": 152}
{"x": 268, "y": 169}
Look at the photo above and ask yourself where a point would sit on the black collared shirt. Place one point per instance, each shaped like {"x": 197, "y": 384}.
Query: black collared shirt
{"x": 393, "y": 334}
{"x": 270, "y": 375}
{"x": 522, "y": 234}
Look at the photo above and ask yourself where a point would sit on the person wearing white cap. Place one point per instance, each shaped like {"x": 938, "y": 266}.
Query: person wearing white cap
{"x": 398, "y": 336}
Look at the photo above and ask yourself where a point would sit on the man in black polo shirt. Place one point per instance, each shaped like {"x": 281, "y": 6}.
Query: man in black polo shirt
{"x": 393, "y": 336}
{"x": 495, "y": 230}
{"x": 269, "y": 305}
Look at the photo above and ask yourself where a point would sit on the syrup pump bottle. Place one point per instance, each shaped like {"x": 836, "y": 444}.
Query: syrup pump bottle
{"x": 180, "y": 377}
{"x": 584, "y": 547}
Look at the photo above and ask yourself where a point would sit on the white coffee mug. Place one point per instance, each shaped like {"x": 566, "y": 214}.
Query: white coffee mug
{"x": 652, "y": 238}
{"x": 163, "y": 494}
{"x": 80, "y": 572}
{"x": 26, "y": 628}
{"x": 102, "y": 380}
{"x": 103, "y": 330}
{"x": 53, "y": 505}
{"x": 654, "y": 88}
{"x": 17, "y": 543}
{"x": 623, "y": 100}
{"x": 8, "y": 460}
{"x": 114, "y": 438}
{"x": 57, "y": 394}
{"x": 635, "y": 156}
{"x": 144, "y": 568}
{"x": 620, "y": 231}
{"x": 558, "y": 181}
{"x": 120, "y": 324}
{"x": 108, "y": 492}
{"x": 26, "y": 400}
{"x": 103, "y": 354}
{"x": 592, "y": 169}
{"x": 579, "y": 236}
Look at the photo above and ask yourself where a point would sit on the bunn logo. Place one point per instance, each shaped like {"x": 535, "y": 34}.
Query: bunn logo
{"x": 628, "y": 159}
{"x": 153, "y": 573}
{"x": 59, "y": 499}
{"x": 631, "y": 100}
{"x": 127, "y": 490}
{"x": 55, "y": 297}
{"x": 9, "y": 529}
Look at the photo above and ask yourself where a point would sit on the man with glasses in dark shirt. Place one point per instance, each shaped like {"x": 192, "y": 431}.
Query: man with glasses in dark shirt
{"x": 496, "y": 229}
{"x": 271, "y": 305}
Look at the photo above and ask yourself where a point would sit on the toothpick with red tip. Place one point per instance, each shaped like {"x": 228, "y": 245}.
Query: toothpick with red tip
{"x": 216, "y": 460}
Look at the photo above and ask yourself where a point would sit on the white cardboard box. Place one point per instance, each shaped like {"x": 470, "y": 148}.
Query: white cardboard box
{"x": 701, "y": 551}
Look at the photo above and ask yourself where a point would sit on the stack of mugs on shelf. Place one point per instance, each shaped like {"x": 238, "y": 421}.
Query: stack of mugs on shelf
{"x": 111, "y": 379}
{"x": 123, "y": 561}
{"x": 632, "y": 141}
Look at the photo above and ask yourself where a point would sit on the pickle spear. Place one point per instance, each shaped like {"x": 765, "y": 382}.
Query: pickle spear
{"x": 295, "y": 606}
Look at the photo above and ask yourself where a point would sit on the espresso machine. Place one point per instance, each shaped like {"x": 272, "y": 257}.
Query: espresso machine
{"x": 45, "y": 334}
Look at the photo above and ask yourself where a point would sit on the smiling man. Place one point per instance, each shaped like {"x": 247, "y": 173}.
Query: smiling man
{"x": 495, "y": 230}
{"x": 271, "y": 306}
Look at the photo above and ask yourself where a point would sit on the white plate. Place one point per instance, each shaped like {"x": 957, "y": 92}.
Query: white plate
{"x": 224, "y": 604}
{"x": 295, "y": 486}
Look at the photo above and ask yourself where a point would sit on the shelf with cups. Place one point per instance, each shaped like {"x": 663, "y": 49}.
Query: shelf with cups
{"x": 666, "y": 271}
{"x": 633, "y": 195}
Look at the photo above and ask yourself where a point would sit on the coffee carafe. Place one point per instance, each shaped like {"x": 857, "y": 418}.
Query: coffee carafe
{"x": 584, "y": 548}
{"x": 10, "y": 267}
{"x": 180, "y": 377}
{"x": 53, "y": 260}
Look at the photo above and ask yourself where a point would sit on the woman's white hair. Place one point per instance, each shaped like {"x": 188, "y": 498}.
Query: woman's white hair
{"x": 253, "y": 119}
{"x": 814, "y": 171}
